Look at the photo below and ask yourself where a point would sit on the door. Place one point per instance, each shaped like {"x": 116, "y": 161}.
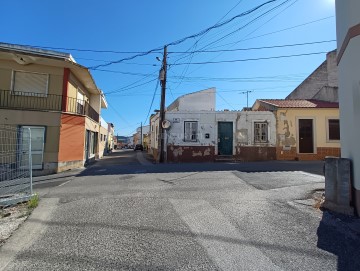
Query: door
{"x": 225, "y": 138}
{"x": 306, "y": 136}
{"x": 37, "y": 144}
{"x": 87, "y": 139}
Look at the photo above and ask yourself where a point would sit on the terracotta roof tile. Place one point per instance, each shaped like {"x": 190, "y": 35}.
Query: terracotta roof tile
{"x": 300, "y": 103}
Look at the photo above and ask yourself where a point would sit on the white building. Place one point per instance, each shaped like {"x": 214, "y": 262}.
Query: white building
{"x": 197, "y": 132}
{"x": 348, "y": 59}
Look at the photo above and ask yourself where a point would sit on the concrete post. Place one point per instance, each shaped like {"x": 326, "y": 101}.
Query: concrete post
{"x": 338, "y": 185}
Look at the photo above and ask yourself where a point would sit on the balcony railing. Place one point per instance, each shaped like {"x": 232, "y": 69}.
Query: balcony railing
{"x": 48, "y": 102}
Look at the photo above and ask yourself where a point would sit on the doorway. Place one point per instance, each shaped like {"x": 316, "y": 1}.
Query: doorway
{"x": 37, "y": 144}
{"x": 225, "y": 138}
{"x": 306, "y": 136}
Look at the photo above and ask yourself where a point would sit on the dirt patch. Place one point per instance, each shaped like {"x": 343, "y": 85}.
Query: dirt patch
{"x": 11, "y": 218}
{"x": 319, "y": 199}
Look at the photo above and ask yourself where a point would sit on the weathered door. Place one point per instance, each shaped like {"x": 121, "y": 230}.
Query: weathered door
{"x": 225, "y": 138}
{"x": 306, "y": 136}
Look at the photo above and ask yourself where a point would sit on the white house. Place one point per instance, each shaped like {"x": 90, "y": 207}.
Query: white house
{"x": 196, "y": 132}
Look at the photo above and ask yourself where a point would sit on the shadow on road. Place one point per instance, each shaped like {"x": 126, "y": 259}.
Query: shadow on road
{"x": 267, "y": 166}
{"x": 336, "y": 237}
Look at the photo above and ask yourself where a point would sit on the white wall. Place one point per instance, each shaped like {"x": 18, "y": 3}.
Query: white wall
{"x": 208, "y": 124}
{"x": 198, "y": 101}
{"x": 347, "y": 13}
{"x": 245, "y": 124}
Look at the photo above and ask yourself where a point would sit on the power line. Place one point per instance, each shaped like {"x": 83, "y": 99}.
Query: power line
{"x": 225, "y": 101}
{"x": 152, "y": 101}
{"x": 249, "y": 59}
{"x": 278, "y": 31}
{"x": 221, "y": 24}
{"x": 119, "y": 115}
{"x": 186, "y": 38}
{"x": 195, "y": 45}
{"x": 252, "y": 21}
{"x": 260, "y": 48}
{"x": 91, "y": 50}
{"x": 124, "y": 89}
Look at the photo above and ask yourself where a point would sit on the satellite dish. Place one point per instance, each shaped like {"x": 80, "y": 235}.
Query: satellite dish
{"x": 166, "y": 124}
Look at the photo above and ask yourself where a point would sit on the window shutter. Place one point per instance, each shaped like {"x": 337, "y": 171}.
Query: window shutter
{"x": 30, "y": 82}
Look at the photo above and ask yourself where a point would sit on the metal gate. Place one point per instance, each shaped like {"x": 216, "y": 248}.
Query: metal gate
{"x": 15, "y": 164}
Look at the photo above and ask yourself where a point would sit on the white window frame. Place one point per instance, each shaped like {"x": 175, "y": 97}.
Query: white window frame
{"x": 266, "y": 130}
{"x": 189, "y": 135}
{"x": 21, "y": 93}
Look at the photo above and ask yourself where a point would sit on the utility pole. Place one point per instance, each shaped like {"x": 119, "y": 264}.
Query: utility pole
{"x": 162, "y": 105}
{"x": 141, "y": 135}
{"x": 247, "y": 97}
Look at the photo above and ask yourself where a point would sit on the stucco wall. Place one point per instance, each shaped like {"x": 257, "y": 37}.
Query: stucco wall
{"x": 243, "y": 133}
{"x": 102, "y": 142}
{"x": 49, "y": 120}
{"x": 55, "y": 75}
{"x": 347, "y": 13}
{"x": 287, "y": 132}
{"x": 198, "y": 101}
{"x": 324, "y": 75}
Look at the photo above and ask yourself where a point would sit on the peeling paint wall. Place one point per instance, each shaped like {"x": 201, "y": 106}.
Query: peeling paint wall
{"x": 190, "y": 153}
{"x": 287, "y": 133}
{"x": 206, "y": 145}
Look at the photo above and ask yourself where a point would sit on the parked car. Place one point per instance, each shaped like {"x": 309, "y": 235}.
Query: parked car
{"x": 139, "y": 147}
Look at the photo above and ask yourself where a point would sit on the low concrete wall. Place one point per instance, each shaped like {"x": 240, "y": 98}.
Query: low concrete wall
{"x": 190, "y": 153}
{"x": 260, "y": 153}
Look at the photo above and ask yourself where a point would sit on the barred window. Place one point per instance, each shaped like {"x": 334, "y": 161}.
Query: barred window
{"x": 260, "y": 132}
{"x": 190, "y": 131}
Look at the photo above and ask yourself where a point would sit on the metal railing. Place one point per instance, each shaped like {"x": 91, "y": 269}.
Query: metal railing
{"x": 15, "y": 164}
{"x": 46, "y": 102}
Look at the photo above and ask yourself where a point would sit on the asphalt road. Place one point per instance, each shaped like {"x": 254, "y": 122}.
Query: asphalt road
{"x": 126, "y": 213}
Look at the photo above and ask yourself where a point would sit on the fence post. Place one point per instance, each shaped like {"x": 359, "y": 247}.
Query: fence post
{"x": 30, "y": 163}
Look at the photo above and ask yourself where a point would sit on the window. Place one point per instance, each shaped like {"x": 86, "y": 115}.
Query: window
{"x": 334, "y": 129}
{"x": 190, "y": 131}
{"x": 29, "y": 83}
{"x": 260, "y": 132}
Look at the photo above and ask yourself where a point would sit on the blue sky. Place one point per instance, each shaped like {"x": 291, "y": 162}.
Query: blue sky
{"x": 139, "y": 26}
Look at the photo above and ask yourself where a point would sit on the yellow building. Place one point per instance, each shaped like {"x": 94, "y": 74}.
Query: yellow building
{"x": 57, "y": 99}
{"x": 305, "y": 129}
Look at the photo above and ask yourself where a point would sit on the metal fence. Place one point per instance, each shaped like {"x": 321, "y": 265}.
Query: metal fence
{"x": 46, "y": 102}
{"x": 15, "y": 164}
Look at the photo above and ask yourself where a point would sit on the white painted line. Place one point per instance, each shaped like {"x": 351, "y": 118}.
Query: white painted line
{"x": 64, "y": 183}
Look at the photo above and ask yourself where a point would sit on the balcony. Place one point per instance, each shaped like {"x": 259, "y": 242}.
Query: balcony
{"x": 49, "y": 102}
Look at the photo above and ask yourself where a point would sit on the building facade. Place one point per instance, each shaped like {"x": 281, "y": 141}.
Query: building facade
{"x": 305, "y": 129}
{"x": 348, "y": 60}
{"x": 198, "y": 133}
{"x": 58, "y": 99}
